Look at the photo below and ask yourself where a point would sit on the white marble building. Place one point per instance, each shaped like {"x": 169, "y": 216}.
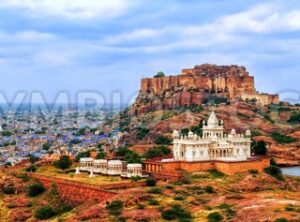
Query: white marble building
{"x": 110, "y": 167}
{"x": 213, "y": 145}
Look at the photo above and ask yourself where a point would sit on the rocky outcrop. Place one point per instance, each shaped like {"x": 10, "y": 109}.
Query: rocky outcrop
{"x": 196, "y": 86}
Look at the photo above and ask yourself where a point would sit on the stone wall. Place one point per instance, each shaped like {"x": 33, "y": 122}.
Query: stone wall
{"x": 75, "y": 193}
{"x": 172, "y": 168}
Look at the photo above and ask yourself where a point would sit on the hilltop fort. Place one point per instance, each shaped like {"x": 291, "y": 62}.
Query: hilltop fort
{"x": 198, "y": 85}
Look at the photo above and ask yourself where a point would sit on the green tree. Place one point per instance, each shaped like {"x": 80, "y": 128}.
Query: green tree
{"x": 115, "y": 207}
{"x": 32, "y": 158}
{"x": 45, "y": 212}
{"x": 101, "y": 154}
{"x": 6, "y": 133}
{"x": 141, "y": 133}
{"x": 63, "y": 163}
{"x": 132, "y": 157}
{"x": 295, "y": 118}
{"x": 35, "y": 189}
{"x": 162, "y": 140}
{"x": 215, "y": 217}
{"x": 159, "y": 74}
{"x": 47, "y": 146}
{"x": 31, "y": 168}
{"x": 259, "y": 148}
{"x": 177, "y": 212}
{"x": 274, "y": 171}
{"x": 279, "y": 138}
{"x": 150, "y": 182}
{"x": 185, "y": 131}
{"x": 157, "y": 151}
{"x": 83, "y": 155}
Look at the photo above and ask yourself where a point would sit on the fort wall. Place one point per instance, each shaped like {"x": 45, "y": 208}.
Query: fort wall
{"x": 75, "y": 193}
{"x": 173, "y": 168}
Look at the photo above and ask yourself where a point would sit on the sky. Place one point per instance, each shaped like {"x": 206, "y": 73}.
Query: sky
{"x": 55, "y": 50}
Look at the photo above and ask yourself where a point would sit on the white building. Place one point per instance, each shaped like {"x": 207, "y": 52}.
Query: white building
{"x": 100, "y": 166}
{"x": 114, "y": 167}
{"x": 213, "y": 145}
{"x": 111, "y": 167}
{"x": 133, "y": 170}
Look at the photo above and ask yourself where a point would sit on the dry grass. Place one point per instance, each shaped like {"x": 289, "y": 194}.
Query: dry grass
{"x": 50, "y": 171}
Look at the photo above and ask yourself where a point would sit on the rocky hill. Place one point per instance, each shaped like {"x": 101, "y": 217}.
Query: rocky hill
{"x": 183, "y": 102}
{"x": 198, "y": 86}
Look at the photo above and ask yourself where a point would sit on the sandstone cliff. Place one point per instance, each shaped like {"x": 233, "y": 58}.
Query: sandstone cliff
{"x": 196, "y": 86}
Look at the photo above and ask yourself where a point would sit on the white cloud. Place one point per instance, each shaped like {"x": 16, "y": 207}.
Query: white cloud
{"x": 263, "y": 18}
{"x": 52, "y": 58}
{"x": 32, "y": 35}
{"x": 233, "y": 29}
{"x": 26, "y": 36}
{"x": 73, "y": 9}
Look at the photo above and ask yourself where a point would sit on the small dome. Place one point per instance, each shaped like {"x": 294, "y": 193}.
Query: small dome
{"x": 175, "y": 134}
{"x": 213, "y": 120}
{"x": 233, "y": 132}
{"x": 248, "y": 132}
{"x": 191, "y": 134}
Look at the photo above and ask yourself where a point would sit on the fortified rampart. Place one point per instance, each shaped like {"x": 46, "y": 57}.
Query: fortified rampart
{"x": 77, "y": 193}
{"x": 172, "y": 168}
{"x": 196, "y": 86}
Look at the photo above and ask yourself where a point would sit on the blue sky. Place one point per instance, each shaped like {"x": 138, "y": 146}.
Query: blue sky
{"x": 50, "y": 46}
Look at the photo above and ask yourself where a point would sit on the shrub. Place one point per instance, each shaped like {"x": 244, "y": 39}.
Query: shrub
{"x": 274, "y": 172}
{"x": 279, "y": 138}
{"x": 209, "y": 189}
{"x": 255, "y": 133}
{"x": 35, "y": 189}
{"x": 115, "y": 207}
{"x": 179, "y": 198}
{"x": 44, "y": 212}
{"x": 31, "y": 168}
{"x": 177, "y": 212}
{"x": 141, "y": 133}
{"x": 215, "y": 217}
{"x": 282, "y": 219}
{"x": 140, "y": 206}
{"x": 185, "y": 178}
{"x": 295, "y": 118}
{"x": 63, "y": 163}
{"x": 217, "y": 100}
{"x": 23, "y": 176}
{"x": 8, "y": 189}
{"x": 150, "y": 182}
{"x": 273, "y": 162}
{"x": 291, "y": 208}
{"x": 170, "y": 187}
{"x": 162, "y": 140}
{"x": 216, "y": 174}
{"x": 155, "y": 190}
{"x": 254, "y": 172}
{"x": 135, "y": 178}
{"x": 153, "y": 202}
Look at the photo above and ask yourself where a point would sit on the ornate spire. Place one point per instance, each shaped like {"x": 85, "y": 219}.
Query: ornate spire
{"x": 213, "y": 120}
